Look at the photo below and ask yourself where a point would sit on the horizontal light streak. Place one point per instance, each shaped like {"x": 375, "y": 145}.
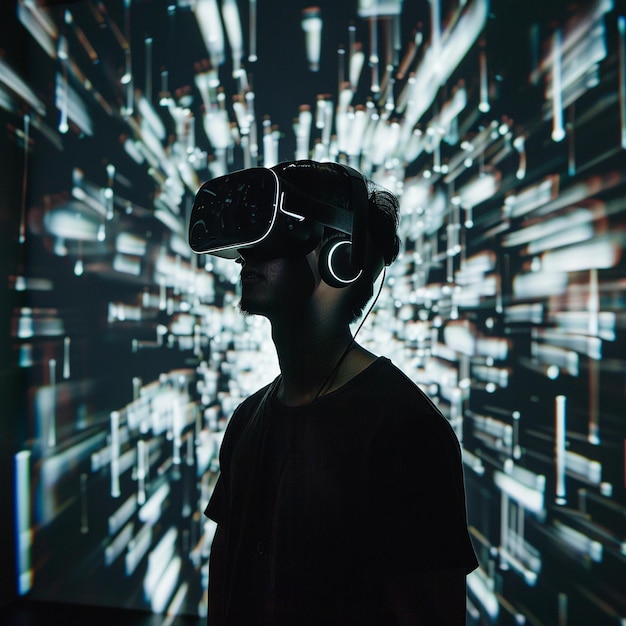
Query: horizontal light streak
{"x": 532, "y": 313}
{"x": 120, "y": 543}
{"x": 530, "y": 498}
{"x": 579, "y": 466}
{"x": 38, "y": 23}
{"x": 69, "y": 102}
{"x": 495, "y": 429}
{"x": 58, "y": 466}
{"x": 602, "y": 323}
{"x": 126, "y": 264}
{"x": 482, "y": 589}
{"x": 589, "y": 346}
{"x": 473, "y": 461}
{"x": 119, "y": 517}
{"x": 534, "y": 234}
{"x": 151, "y": 511}
{"x": 479, "y": 189}
{"x": 137, "y": 549}
{"x": 578, "y": 542}
{"x": 158, "y": 561}
{"x": 602, "y": 253}
{"x": 17, "y": 85}
{"x": 555, "y": 356}
{"x": 39, "y": 323}
{"x": 498, "y": 375}
{"x": 531, "y": 198}
{"x": 532, "y": 285}
{"x": 379, "y": 8}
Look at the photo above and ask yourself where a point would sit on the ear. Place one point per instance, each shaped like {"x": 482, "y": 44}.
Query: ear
{"x": 335, "y": 265}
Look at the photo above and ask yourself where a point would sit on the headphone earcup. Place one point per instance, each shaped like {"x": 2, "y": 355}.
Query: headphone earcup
{"x": 334, "y": 263}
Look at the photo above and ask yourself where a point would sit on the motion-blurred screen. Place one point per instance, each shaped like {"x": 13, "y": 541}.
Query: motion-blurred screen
{"x": 501, "y": 126}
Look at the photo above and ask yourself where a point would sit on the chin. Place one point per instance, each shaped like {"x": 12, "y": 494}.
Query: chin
{"x": 248, "y": 308}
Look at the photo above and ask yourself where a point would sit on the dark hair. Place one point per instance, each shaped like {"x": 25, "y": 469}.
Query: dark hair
{"x": 383, "y": 244}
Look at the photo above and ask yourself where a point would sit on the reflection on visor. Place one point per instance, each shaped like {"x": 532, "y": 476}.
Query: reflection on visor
{"x": 234, "y": 211}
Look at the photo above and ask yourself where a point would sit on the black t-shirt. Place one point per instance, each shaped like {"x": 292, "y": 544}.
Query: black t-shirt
{"x": 320, "y": 505}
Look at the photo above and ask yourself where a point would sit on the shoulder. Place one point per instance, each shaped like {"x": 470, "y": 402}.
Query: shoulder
{"x": 409, "y": 418}
{"x": 389, "y": 385}
{"x": 243, "y": 414}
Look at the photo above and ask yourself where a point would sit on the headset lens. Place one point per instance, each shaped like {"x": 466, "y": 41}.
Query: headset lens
{"x": 233, "y": 211}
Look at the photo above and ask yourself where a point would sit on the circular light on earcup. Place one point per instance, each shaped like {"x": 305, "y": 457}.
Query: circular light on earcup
{"x": 335, "y": 266}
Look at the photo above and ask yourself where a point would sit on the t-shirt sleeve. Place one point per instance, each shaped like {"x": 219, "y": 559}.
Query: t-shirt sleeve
{"x": 216, "y": 508}
{"x": 419, "y": 497}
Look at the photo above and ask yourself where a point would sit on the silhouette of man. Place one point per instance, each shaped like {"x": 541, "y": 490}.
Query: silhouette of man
{"x": 340, "y": 499}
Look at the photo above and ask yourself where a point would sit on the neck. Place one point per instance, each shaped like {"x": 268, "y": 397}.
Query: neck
{"x": 308, "y": 355}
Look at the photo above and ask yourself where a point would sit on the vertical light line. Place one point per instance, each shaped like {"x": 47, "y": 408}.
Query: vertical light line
{"x": 593, "y": 306}
{"x": 571, "y": 142}
{"x": 621, "y": 27}
{"x": 504, "y": 522}
{"x": 252, "y": 22}
{"x": 84, "y": 518}
{"x": 141, "y": 472}
{"x": 52, "y": 434}
{"x": 562, "y": 609}
{"x": 341, "y": 68}
{"x": 22, "y": 232}
{"x": 148, "y": 42}
{"x": 560, "y": 430}
{"x": 22, "y": 522}
{"x": 66, "y": 357}
{"x": 483, "y": 105}
{"x": 435, "y": 21}
{"x": 397, "y": 39}
{"x": 517, "y": 449}
{"x": 115, "y": 454}
{"x": 374, "y": 58}
{"x": 558, "y": 130}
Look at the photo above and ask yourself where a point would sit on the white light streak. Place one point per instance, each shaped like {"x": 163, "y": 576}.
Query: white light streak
{"x": 482, "y": 588}
{"x": 558, "y": 128}
{"x": 118, "y": 544}
{"x": 23, "y": 529}
{"x": 312, "y": 26}
{"x": 534, "y": 285}
{"x": 530, "y": 498}
{"x": 560, "y": 443}
{"x": 15, "y": 83}
{"x": 232, "y": 23}
{"x": 578, "y": 542}
{"x": 621, "y": 27}
{"x": 357, "y": 60}
{"x": 151, "y": 511}
{"x": 210, "y": 24}
{"x": 118, "y": 518}
{"x": 602, "y": 253}
{"x": 38, "y": 23}
{"x": 115, "y": 454}
{"x": 479, "y": 189}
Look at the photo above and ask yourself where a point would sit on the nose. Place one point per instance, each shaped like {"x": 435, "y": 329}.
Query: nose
{"x": 248, "y": 254}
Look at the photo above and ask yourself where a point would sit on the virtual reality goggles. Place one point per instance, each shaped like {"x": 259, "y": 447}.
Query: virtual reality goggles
{"x": 280, "y": 211}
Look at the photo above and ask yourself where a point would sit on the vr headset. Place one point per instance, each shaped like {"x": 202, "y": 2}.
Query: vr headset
{"x": 282, "y": 211}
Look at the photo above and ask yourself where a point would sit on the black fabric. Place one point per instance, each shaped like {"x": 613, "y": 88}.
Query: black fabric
{"x": 320, "y": 506}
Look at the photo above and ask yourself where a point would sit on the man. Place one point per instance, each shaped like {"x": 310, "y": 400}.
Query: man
{"x": 340, "y": 499}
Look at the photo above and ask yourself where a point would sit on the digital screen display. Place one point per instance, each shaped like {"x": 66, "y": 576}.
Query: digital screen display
{"x": 500, "y": 125}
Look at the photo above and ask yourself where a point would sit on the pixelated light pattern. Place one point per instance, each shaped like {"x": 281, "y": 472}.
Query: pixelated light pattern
{"x": 502, "y": 131}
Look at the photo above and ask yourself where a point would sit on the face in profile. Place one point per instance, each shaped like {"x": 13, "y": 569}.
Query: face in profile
{"x": 274, "y": 288}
